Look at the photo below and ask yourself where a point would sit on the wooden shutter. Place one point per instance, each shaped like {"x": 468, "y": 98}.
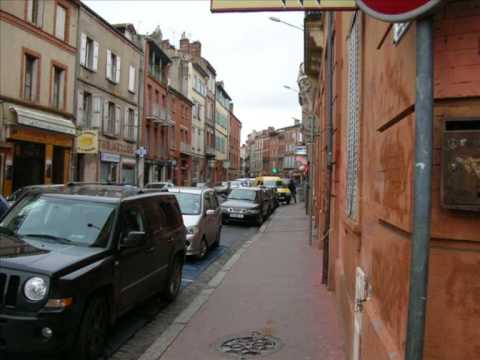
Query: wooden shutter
{"x": 97, "y": 112}
{"x": 80, "y": 108}
{"x": 126, "y": 125}
{"x": 117, "y": 75}
{"x": 95, "y": 56}
{"x": 131, "y": 79}
{"x": 118, "y": 121}
{"x": 83, "y": 49}
{"x": 109, "y": 64}
{"x": 135, "y": 126}
{"x": 105, "y": 117}
{"x": 40, "y": 10}
{"x": 29, "y": 10}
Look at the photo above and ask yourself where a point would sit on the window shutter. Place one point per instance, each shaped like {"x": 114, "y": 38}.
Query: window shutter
{"x": 29, "y": 10}
{"x": 131, "y": 79}
{"x": 62, "y": 90}
{"x": 117, "y": 75}
{"x": 95, "y": 56}
{"x": 97, "y": 112}
{"x": 135, "y": 126}
{"x": 60, "y": 22}
{"x": 109, "y": 64}
{"x": 105, "y": 117}
{"x": 80, "y": 108}
{"x": 41, "y": 6}
{"x": 118, "y": 121}
{"x": 126, "y": 125}
{"x": 83, "y": 49}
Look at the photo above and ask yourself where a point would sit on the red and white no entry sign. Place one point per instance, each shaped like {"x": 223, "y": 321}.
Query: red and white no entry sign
{"x": 397, "y": 10}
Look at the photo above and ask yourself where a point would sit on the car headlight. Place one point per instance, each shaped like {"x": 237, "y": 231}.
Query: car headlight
{"x": 191, "y": 230}
{"x": 35, "y": 289}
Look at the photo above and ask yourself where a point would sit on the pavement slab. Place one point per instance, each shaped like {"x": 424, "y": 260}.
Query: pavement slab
{"x": 272, "y": 287}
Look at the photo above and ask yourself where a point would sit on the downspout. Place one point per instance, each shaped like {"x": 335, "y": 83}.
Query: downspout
{"x": 141, "y": 82}
{"x": 422, "y": 203}
{"x": 326, "y": 234}
{"x": 74, "y": 156}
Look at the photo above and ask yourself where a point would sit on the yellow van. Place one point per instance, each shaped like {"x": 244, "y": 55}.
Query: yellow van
{"x": 275, "y": 182}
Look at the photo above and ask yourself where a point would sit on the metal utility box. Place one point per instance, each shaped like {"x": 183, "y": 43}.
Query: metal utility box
{"x": 461, "y": 164}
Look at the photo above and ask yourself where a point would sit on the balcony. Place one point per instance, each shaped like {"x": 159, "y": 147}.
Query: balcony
{"x": 185, "y": 148}
{"x": 209, "y": 150}
{"x": 160, "y": 116}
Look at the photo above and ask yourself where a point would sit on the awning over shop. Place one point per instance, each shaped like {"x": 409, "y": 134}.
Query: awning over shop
{"x": 42, "y": 120}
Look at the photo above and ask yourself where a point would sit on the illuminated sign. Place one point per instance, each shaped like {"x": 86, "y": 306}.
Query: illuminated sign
{"x": 280, "y": 5}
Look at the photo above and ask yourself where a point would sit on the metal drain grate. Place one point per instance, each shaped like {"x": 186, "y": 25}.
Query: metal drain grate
{"x": 249, "y": 345}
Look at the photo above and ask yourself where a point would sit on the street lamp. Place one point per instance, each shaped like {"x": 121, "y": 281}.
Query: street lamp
{"x": 275, "y": 19}
{"x": 290, "y": 88}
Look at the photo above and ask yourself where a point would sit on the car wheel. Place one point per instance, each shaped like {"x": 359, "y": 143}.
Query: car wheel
{"x": 259, "y": 220}
{"x": 93, "y": 330}
{"x": 203, "y": 249}
{"x": 288, "y": 202}
{"x": 174, "y": 279}
{"x": 217, "y": 239}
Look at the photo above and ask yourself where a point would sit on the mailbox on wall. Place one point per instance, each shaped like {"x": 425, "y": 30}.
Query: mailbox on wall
{"x": 461, "y": 164}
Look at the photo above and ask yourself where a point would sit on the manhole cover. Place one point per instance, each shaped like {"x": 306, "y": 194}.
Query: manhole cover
{"x": 249, "y": 345}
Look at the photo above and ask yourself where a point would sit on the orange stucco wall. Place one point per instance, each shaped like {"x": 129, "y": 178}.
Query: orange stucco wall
{"x": 379, "y": 241}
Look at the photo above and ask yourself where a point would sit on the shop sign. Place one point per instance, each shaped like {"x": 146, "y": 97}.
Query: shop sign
{"x": 281, "y": 5}
{"x": 118, "y": 147}
{"x": 87, "y": 142}
{"x": 397, "y": 11}
{"x": 108, "y": 157}
{"x": 301, "y": 150}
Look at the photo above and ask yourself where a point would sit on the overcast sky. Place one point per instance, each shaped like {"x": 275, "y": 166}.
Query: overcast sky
{"x": 254, "y": 56}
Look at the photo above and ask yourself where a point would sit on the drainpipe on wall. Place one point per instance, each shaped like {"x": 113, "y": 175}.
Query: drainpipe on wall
{"x": 422, "y": 204}
{"x": 73, "y": 157}
{"x": 140, "y": 168}
{"x": 326, "y": 234}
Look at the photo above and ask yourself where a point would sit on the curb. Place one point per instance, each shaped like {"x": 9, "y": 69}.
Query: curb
{"x": 163, "y": 342}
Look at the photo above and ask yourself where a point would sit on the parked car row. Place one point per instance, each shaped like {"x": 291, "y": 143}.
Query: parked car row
{"x": 76, "y": 257}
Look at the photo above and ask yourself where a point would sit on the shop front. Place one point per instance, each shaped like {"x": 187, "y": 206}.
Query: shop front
{"x": 105, "y": 160}
{"x": 41, "y": 146}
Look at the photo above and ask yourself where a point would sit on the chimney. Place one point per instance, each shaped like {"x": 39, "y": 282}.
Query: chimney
{"x": 184, "y": 44}
{"x": 165, "y": 44}
{"x": 196, "y": 48}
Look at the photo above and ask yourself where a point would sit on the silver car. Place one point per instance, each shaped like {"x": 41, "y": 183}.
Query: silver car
{"x": 202, "y": 218}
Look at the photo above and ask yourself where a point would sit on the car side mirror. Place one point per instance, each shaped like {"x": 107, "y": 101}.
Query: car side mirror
{"x": 133, "y": 239}
{"x": 210, "y": 212}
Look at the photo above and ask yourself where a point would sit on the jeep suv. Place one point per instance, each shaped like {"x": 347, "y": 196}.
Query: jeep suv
{"x": 73, "y": 259}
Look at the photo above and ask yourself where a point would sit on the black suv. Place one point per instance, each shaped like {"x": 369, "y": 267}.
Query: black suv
{"x": 73, "y": 259}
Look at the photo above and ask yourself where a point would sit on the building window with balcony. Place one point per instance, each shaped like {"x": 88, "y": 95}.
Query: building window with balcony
{"x": 35, "y": 12}
{"x": 58, "y": 87}
{"x": 88, "y": 52}
{"x": 31, "y": 77}
{"x": 113, "y": 67}
{"x": 61, "y": 22}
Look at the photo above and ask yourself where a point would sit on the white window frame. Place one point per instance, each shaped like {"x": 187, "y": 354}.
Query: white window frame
{"x": 35, "y": 10}
{"x": 131, "y": 78}
{"x": 88, "y": 52}
{"x": 113, "y": 67}
{"x": 59, "y": 26}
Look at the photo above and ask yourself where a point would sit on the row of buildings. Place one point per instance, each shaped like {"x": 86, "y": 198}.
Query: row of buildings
{"x": 85, "y": 100}
{"x": 358, "y": 95}
{"x": 273, "y": 151}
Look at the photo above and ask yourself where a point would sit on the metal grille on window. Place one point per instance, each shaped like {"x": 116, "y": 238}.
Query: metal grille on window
{"x": 353, "y": 119}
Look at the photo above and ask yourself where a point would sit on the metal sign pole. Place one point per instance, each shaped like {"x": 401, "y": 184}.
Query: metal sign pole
{"x": 422, "y": 214}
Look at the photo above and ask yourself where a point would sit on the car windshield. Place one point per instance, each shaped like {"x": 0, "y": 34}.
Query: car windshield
{"x": 242, "y": 194}
{"x": 190, "y": 204}
{"x": 270, "y": 183}
{"x": 67, "y": 221}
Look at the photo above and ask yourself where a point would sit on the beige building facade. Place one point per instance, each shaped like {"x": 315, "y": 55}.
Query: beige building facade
{"x": 38, "y": 42}
{"x": 108, "y": 93}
